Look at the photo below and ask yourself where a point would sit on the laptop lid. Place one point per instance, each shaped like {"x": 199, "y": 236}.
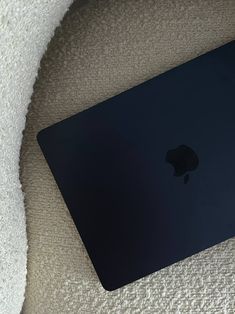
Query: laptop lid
{"x": 149, "y": 175}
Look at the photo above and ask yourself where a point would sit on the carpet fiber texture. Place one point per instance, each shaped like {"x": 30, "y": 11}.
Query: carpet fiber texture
{"x": 25, "y": 29}
{"x": 102, "y": 48}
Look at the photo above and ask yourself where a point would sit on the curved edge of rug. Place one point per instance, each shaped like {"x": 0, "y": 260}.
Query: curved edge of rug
{"x": 25, "y": 30}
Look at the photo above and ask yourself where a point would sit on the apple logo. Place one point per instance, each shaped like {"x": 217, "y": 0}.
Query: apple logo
{"x": 183, "y": 159}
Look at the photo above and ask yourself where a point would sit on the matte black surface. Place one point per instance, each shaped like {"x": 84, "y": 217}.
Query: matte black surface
{"x": 113, "y": 164}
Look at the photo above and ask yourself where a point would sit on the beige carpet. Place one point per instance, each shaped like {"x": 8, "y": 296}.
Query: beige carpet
{"x": 103, "y": 48}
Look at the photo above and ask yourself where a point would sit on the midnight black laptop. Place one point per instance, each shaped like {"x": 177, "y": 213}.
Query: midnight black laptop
{"x": 149, "y": 175}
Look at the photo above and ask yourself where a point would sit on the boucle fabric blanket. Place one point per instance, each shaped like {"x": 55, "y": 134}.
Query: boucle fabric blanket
{"x": 25, "y": 29}
{"x": 103, "y": 48}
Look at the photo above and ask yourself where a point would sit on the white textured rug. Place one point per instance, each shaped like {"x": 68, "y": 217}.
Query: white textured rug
{"x": 25, "y": 29}
{"x": 111, "y": 57}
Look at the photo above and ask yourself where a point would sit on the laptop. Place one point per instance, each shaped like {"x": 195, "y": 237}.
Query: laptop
{"x": 149, "y": 175}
